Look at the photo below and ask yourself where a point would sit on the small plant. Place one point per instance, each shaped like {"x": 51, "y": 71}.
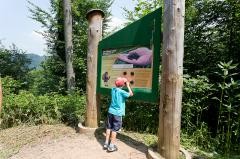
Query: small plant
{"x": 196, "y": 93}
{"x": 229, "y": 111}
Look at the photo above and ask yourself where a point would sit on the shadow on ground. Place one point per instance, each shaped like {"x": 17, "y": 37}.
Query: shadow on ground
{"x": 99, "y": 134}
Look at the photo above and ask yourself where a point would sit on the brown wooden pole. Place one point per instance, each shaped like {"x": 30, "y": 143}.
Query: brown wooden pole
{"x": 95, "y": 18}
{"x": 172, "y": 79}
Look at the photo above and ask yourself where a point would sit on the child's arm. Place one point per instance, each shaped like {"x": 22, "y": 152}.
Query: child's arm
{"x": 129, "y": 89}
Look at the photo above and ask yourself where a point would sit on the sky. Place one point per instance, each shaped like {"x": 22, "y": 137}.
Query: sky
{"x": 16, "y": 26}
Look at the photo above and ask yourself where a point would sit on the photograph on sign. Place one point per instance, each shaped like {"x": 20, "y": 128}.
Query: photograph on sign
{"x": 133, "y": 63}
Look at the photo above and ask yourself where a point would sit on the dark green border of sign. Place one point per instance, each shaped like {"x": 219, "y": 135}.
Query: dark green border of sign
{"x": 143, "y": 32}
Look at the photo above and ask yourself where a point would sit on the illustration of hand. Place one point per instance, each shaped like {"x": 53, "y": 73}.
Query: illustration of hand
{"x": 141, "y": 57}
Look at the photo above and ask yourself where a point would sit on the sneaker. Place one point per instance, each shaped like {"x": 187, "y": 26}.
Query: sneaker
{"x": 105, "y": 146}
{"x": 112, "y": 148}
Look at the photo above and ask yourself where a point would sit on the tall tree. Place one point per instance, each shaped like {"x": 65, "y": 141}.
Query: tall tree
{"x": 52, "y": 22}
{"x": 68, "y": 44}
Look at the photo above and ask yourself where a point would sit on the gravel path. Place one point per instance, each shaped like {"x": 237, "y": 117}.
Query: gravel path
{"x": 82, "y": 146}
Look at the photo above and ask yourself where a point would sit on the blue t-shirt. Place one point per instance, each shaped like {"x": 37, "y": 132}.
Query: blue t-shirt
{"x": 117, "y": 106}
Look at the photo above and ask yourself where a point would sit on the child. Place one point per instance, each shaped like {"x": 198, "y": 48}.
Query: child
{"x": 116, "y": 111}
{"x": 105, "y": 78}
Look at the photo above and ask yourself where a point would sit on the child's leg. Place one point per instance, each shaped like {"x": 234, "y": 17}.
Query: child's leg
{"x": 117, "y": 124}
{"x": 113, "y": 137}
{"x": 108, "y": 132}
{"x": 112, "y": 146}
{"x": 113, "y": 125}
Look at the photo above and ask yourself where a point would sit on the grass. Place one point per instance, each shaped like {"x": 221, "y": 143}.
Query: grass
{"x": 198, "y": 152}
{"x": 145, "y": 138}
{"x": 151, "y": 140}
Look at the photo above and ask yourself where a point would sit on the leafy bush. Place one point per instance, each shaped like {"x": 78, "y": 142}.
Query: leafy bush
{"x": 13, "y": 62}
{"x": 201, "y": 139}
{"x": 141, "y": 117}
{"x": 210, "y": 113}
{"x": 52, "y": 108}
{"x": 74, "y": 108}
{"x": 10, "y": 85}
{"x": 227, "y": 98}
{"x": 42, "y": 81}
{"x": 196, "y": 92}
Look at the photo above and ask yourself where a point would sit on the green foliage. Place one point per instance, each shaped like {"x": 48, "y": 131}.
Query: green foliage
{"x": 200, "y": 139}
{"x": 222, "y": 135}
{"x": 142, "y": 8}
{"x": 48, "y": 109}
{"x": 42, "y": 82}
{"x": 228, "y": 126}
{"x": 13, "y": 62}
{"x": 198, "y": 104}
{"x": 196, "y": 93}
{"x": 73, "y": 110}
{"x": 10, "y": 85}
{"x": 211, "y": 34}
{"x": 52, "y": 22}
{"x": 141, "y": 117}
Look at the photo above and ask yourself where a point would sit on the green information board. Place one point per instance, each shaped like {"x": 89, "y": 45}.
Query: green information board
{"x": 134, "y": 53}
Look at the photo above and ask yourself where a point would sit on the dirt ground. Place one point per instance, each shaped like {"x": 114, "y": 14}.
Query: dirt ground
{"x": 72, "y": 145}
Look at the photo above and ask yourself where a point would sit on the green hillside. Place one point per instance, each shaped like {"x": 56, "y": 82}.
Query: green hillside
{"x": 35, "y": 60}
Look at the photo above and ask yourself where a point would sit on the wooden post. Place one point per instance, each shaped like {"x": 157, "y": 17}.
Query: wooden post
{"x": 95, "y": 18}
{"x": 172, "y": 79}
{"x": 68, "y": 44}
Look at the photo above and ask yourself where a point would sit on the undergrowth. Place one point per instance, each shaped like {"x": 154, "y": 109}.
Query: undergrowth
{"x": 46, "y": 109}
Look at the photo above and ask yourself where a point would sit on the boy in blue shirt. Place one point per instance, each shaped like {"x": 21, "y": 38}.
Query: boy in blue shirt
{"x": 116, "y": 111}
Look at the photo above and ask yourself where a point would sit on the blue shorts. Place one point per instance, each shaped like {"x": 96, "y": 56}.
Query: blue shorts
{"x": 114, "y": 122}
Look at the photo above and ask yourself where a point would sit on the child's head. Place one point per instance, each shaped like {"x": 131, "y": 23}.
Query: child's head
{"x": 120, "y": 82}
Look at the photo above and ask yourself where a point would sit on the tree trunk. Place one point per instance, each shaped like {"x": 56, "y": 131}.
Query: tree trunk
{"x": 59, "y": 44}
{"x": 172, "y": 79}
{"x": 68, "y": 44}
{"x": 95, "y": 18}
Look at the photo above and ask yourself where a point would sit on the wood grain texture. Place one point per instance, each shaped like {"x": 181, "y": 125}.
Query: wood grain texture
{"x": 94, "y": 36}
{"x": 172, "y": 79}
{"x": 68, "y": 44}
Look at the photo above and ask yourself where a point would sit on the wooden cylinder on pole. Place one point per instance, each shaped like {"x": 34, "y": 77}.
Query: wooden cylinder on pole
{"x": 95, "y": 19}
{"x": 171, "y": 79}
